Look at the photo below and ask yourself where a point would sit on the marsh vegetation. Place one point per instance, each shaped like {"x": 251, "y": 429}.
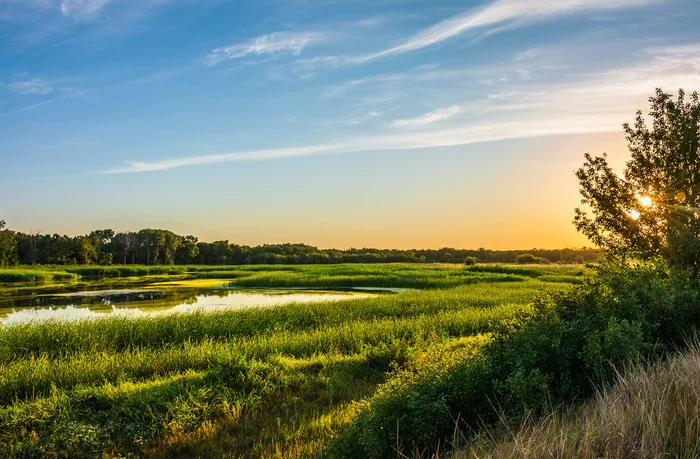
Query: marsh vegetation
{"x": 257, "y": 382}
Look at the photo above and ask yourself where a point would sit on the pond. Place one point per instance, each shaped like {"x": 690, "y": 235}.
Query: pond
{"x": 156, "y": 298}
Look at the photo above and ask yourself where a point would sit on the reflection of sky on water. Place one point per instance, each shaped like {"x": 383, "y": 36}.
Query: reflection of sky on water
{"x": 233, "y": 300}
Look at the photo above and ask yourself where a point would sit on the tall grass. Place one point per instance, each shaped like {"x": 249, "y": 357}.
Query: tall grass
{"x": 390, "y": 275}
{"x": 121, "y": 333}
{"x": 124, "y": 270}
{"x": 649, "y": 412}
{"x": 38, "y": 375}
{"x": 35, "y": 275}
{"x": 409, "y": 275}
{"x": 528, "y": 270}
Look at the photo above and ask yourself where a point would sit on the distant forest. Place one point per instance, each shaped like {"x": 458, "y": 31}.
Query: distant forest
{"x": 162, "y": 247}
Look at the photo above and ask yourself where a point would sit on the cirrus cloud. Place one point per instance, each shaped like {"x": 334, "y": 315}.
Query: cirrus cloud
{"x": 430, "y": 117}
{"x": 598, "y": 102}
{"x": 270, "y": 44}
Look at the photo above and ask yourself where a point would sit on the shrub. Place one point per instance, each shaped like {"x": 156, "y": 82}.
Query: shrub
{"x": 470, "y": 261}
{"x": 526, "y": 258}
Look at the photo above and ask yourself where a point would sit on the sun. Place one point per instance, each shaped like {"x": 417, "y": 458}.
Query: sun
{"x": 645, "y": 201}
{"x": 634, "y": 214}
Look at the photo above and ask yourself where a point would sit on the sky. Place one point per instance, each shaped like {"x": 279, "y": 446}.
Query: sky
{"x": 336, "y": 123}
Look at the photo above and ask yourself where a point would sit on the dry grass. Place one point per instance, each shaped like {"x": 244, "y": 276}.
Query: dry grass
{"x": 650, "y": 412}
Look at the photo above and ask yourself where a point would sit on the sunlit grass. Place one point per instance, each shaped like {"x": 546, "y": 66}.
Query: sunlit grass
{"x": 424, "y": 275}
{"x": 34, "y": 275}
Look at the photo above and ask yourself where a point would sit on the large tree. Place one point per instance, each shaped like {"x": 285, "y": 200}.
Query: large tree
{"x": 653, "y": 208}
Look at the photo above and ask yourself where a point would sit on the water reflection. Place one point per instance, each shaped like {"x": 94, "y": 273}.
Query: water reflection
{"x": 141, "y": 303}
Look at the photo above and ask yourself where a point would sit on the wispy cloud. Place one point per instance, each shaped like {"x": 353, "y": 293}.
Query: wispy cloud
{"x": 77, "y": 10}
{"x": 271, "y": 44}
{"x": 431, "y": 72}
{"x": 355, "y": 120}
{"x": 430, "y": 117}
{"x": 40, "y": 86}
{"x": 371, "y": 21}
{"x": 409, "y": 141}
{"x": 50, "y": 23}
{"x": 598, "y": 102}
{"x": 495, "y": 17}
{"x": 53, "y": 90}
{"x": 418, "y": 74}
{"x": 28, "y": 108}
{"x": 251, "y": 155}
{"x": 527, "y": 54}
{"x": 31, "y": 86}
{"x": 82, "y": 9}
{"x": 524, "y": 74}
{"x": 509, "y": 13}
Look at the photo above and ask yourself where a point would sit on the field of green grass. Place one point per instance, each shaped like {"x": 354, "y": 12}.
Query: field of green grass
{"x": 406, "y": 275}
{"x": 266, "y": 382}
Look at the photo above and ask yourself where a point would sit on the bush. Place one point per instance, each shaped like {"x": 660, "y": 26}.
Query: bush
{"x": 558, "y": 354}
{"x": 526, "y": 258}
{"x": 470, "y": 261}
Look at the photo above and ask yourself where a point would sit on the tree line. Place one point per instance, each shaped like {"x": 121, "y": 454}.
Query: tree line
{"x": 163, "y": 247}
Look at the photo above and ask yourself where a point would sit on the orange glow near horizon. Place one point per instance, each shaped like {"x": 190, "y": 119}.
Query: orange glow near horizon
{"x": 518, "y": 194}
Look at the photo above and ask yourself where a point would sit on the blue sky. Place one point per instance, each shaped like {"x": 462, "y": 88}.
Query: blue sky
{"x": 332, "y": 122}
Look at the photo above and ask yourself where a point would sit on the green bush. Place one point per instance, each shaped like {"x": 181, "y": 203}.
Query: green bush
{"x": 470, "y": 261}
{"x": 573, "y": 341}
{"x": 526, "y": 259}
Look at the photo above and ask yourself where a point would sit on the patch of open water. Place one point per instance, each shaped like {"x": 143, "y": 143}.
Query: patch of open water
{"x": 190, "y": 296}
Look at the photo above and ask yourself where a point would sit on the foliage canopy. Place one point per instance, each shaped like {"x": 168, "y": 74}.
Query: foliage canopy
{"x": 653, "y": 208}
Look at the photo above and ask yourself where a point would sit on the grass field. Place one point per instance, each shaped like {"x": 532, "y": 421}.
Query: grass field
{"x": 276, "y": 382}
{"x": 408, "y": 275}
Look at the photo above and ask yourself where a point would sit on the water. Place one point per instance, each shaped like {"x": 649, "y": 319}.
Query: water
{"x": 153, "y": 299}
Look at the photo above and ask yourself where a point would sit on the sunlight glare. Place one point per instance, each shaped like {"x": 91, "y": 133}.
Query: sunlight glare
{"x": 634, "y": 213}
{"x": 644, "y": 201}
